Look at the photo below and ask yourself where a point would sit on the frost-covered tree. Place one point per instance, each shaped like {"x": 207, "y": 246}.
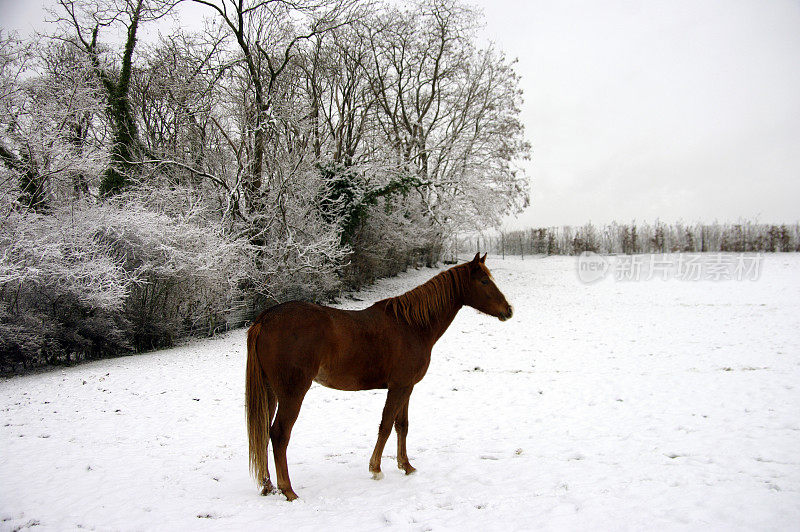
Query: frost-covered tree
{"x": 449, "y": 111}
{"x": 267, "y": 36}
{"x": 82, "y": 22}
{"x": 20, "y": 176}
{"x": 290, "y": 149}
{"x": 175, "y": 92}
{"x": 49, "y": 107}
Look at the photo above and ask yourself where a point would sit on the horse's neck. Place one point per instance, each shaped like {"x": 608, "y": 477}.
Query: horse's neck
{"x": 430, "y": 308}
{"x": 442, "y": 321}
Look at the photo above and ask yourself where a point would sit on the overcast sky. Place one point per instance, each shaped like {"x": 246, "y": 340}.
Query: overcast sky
{"x": 676, "y": 109}
{"x": 679, "y": 109}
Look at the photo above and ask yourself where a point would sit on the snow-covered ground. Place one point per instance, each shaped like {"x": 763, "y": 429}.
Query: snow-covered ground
{"x": 614, "y": 405}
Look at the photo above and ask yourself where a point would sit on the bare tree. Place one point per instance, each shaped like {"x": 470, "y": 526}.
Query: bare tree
{"x": 75, "y": 111}
{"x": 268, "y": 33}
{"x": 48, "y": 105}
{"x": 15, "y": 59}
{"x": 449, "y": 111}
{"x": 83, "y": 22}
{"x": 342, "y": 102}
{"x": 175, "y": 94}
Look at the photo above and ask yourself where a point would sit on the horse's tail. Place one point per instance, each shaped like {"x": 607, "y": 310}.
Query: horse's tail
{"x": 257, "y": 408}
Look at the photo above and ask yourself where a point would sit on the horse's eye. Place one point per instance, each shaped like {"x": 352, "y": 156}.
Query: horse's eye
{"x": 484, "y": 281}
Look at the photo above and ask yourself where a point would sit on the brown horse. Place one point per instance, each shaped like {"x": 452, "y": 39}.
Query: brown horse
{"x": 387, "y": 345}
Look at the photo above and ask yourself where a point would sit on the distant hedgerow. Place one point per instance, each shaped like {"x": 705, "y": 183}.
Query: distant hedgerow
{"x": 640, "y": 238}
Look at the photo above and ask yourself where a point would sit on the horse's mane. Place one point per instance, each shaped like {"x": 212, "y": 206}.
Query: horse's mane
{"x": 422, "y": 304}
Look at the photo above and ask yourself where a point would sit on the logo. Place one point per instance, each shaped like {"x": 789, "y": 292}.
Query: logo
{"x": 592, "y": 267}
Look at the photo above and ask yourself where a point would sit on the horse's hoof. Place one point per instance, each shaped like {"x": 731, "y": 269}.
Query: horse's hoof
{"x": 268, "y": 488}
{"x": 289, "y": 494}
{"x": 377, "y": 475}
{"x": 408, "y": 468}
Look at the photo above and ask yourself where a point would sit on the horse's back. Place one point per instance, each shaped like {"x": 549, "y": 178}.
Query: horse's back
{"x": 289, "y": 340}
{"x": 346, "y": 350}
{"x": 298, "y": 326}
{"x": 289, "y": 309}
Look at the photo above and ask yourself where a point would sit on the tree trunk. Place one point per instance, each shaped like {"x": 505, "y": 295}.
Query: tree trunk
{"x": 126, "y": 137}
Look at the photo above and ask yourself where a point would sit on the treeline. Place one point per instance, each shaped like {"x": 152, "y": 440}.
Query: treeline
{"x": 150, "y": 190}
{"x": 745, "y": 237}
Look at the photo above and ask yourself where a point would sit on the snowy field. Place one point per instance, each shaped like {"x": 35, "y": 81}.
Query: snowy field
{"x": 616, "y": 405}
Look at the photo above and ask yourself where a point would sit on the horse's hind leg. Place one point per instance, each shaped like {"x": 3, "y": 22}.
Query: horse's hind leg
{"x": 401, "y": 426}
{"x": 281, "y": 430}
{"x": 394, "y": 401}
{"x": 272, "y": 405}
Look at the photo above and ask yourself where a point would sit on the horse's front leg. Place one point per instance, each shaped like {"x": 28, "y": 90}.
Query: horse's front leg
{"x": 401, "y": 426}
{"x": 395, "y": 398}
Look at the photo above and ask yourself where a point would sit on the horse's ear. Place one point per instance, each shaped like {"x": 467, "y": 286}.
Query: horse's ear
{"x": 477, "y": 258}
{"x": 483, "y": 259}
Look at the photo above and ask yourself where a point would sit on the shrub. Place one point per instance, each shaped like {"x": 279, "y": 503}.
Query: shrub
{"x": 91, "y": 281}
{"x": 61, "y": 292}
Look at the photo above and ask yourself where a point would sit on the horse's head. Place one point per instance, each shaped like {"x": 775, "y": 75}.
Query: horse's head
{"x": 482, "y": 294}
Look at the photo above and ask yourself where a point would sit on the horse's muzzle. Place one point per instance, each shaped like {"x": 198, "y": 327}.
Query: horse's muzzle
{"x": 507, "y": 314}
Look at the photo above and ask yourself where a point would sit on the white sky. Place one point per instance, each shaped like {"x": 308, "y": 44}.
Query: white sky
{"x": 679, "y": 109}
